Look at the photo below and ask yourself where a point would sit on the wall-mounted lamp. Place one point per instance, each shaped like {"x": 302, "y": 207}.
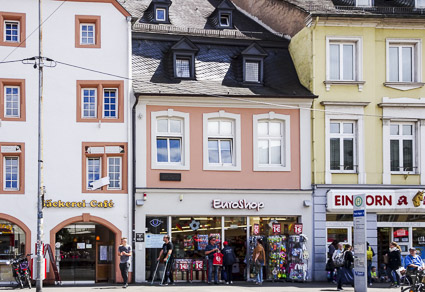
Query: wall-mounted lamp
{"x": 181, "y": 197}
{"x": 140, "y": 202}
{"x": 307, "y": 203}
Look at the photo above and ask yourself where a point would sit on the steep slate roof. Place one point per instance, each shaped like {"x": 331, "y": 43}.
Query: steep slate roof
{"x": 218, "y": 62}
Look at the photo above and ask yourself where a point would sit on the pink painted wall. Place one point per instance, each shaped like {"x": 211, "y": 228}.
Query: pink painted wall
{"x": 196, "y": 177}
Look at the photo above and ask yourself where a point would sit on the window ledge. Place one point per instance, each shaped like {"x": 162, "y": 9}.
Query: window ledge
{"x": 404, "y": 85}
{"x": 328, "y": 83}
{"x": 404, "y": 173}
{"x": 170, "y": 166}
{"x": 271, "y": 168}
{"x": 222, "y": 168}
{"x": 343, "y": 171}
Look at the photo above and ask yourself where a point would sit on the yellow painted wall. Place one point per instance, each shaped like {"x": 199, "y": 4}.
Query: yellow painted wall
{"x": 374, "y": 73}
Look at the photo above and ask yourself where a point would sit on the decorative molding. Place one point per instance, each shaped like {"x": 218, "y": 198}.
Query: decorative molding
{"x": 344, "y": 103}
{"x": 328, "y": 84}
{"x": 404, "y": 85}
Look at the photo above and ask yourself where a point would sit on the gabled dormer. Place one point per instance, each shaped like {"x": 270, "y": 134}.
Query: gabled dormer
{"x": 253, "y": 64}
{"x": 160, "y": 9}
{"x": 184, "y": 59}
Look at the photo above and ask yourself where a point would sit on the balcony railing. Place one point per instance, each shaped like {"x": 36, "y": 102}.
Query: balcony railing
{"x": 367, "y": 10}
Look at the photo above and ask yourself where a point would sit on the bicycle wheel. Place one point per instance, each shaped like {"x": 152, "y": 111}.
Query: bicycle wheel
{"x": 28, "y": 280}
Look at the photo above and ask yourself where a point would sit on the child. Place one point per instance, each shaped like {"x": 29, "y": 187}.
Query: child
{"x": 373, "y": 274}
{"x": 383, "y": 277}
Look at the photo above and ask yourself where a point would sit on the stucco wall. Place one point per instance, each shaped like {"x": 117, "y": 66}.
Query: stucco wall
{"x": 302, "y": 56}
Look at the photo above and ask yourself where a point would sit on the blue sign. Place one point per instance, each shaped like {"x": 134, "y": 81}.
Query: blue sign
{"x": 358, "y": 273}
{"x": 358, "y": 213}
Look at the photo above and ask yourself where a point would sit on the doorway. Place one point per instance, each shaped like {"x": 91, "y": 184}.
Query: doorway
{"x": 235, "y": 235}
{"x": 85, "y": 253}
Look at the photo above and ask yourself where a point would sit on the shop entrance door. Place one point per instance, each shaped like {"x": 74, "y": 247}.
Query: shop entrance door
{"x": 85, "y": 253}
{"x": 235, "y": 234}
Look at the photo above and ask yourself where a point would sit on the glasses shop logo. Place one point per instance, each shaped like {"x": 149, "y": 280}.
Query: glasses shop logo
{"x": 155, "y": 222}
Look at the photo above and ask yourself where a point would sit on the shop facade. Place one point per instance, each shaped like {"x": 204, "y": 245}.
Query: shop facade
{"x": 238, "y": 217}
{"x": 393, "y": 214}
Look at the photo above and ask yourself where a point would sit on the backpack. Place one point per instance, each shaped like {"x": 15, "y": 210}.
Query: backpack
{"x": 339, "y": 260}
{"x": 370, "y": 254}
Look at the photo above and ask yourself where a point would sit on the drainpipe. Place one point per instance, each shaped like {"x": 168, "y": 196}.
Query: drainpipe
{"x": 133, "y": 166}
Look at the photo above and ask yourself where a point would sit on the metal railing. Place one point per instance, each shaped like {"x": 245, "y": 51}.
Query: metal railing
{"x": 366, "y": 10}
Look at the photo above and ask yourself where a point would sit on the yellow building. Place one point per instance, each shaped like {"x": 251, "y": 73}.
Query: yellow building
{"x": 365, "y": 62}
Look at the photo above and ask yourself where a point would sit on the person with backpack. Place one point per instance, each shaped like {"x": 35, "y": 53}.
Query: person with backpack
{"x": 330, "y": 267}
{"x": 394, "y": 263}
{"x": 338, "y": 256}
{"x": 229, "y": 258}
{"x": 345, "y": 274}
{"x": 370, "y": 253}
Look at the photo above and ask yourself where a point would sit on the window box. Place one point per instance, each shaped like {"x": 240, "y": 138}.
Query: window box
{"x": 12, "y": 29}
{"x": 12, "y": 105}
{"x": 100, "y": 101}
{"x": 12, "y": 165}
{"x": 105, "y": 160}
{"x": 87, "y": 31}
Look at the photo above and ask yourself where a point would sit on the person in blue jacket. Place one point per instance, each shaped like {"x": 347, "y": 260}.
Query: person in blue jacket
{"x": 229, "y": 258}
{"x": 413, "y": 261}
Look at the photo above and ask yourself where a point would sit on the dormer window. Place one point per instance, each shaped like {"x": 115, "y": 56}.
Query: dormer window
{"x": 184, "y": 59}
{"x": 253, "y": 63}
{"x": 363, "y": 3}
{"x": 223, "y": 13}
{"x": 225, "y": 19}
{"x": 160, "y": 14}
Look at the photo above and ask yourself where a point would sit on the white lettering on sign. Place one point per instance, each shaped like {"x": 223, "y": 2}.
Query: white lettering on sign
{"x": 380, "y": 201}
{"x": 10, "y": 149}
{"x": 241, "y": 204}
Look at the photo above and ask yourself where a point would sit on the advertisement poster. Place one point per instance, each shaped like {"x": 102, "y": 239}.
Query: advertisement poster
{"x": 202, "y": 241}
{"x": 154, "y": 240}
{"x": 81, "y": 245}
{"x": 103, "y": 250}
{"x": 189, "y": 243}
{"x": 217, "y": 237}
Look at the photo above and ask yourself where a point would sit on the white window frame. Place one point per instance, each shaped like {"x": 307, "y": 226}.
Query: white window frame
{"x": 368, "y": 5}
{"x": 358, "y": 56}
{"x": 286, "y": 143}
{"x": 95, "y": 103}
{"x": 156, "y": 14}
{"x": 81, "y": 34}
{"x": 226, "y": 15}
{"x": 185, "y": 159}
{"x": 120, "y": 172}
{"x": 399, "y": 137}
{"x": 416, "y": 55}
{"x": 88, "y": 187}
{"x": 417, "y": 4}
{"x": 236, "y": 147}
{"x": 341, "y": 137}
{"x": 19, "y": 30}
{"x": 4, "y": 174}
{"x": 116, "y": 103}
{"x": 19, "y": 102}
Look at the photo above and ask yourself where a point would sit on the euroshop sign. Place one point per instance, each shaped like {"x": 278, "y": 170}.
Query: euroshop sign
{"x": 379, "y": 201}
{"x": 241, "y": 204}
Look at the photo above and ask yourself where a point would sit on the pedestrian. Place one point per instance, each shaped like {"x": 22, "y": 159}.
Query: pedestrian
{"x": 394, "y": 263}
{"x": 370, "y": 253}
{"x": 167, "y": 254}
{"x": 338, "y": 259}
{"x": 413, "y": 261}
{"x": 345, "y": 273}
{"x": 229, "y": 258}
{"x": 124, "y": 252}
{"x": 330, "y": 267}
{"x": 210, "y": 250}
{"x": 259, "y": 257}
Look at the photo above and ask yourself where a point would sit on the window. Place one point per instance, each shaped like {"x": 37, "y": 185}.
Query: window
{"x": 402, "y": 147}
{"x": 342, "y": 146}
{"x": 12, "y": 104}
{"x": 12, "y": 168}
{"x": 403, "y": 62}
{"x": 87, "y": 31}
{"x": 183, "y": 67}
{"x": 170, "y": 140}
{"x": 366, "y": 3}
{"x": 224, "y": 20}
{"x": 12, "y": 29}
{"x": 160, "y": 14}
{"x": 252, "y": 71}
{"x": 420, "y": 4}
{"x": 11, "y": 32}
{"x": 271, "y": 142}
{"x": 100, "y": 101}
{"x": 342, "y": 61}
{"x": 87, "y": 34}
{"x": 222, "y": 149}
{"x": 253, "y": 62}
{"x": 105, "y": 167}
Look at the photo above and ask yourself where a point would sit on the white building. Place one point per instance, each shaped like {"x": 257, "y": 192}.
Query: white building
{"x": 85, "y": 134}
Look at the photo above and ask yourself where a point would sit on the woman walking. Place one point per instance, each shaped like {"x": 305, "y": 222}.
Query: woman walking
{"x": 259, "y": 256}
{"x": 345, "y": 274}
{"x": 394, "y": 263}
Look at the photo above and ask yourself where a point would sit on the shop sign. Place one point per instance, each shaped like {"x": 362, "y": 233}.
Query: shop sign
{"x": 298, "y": 228}
{"x": 241, "y": 204}
{"x": 276, "y": 228}
{"x": 380, "y": 201}
{"x": 256, "y": 229}
{"x": 140, "y": 237}
{"x": 80, "y": 204}
{"x": 6, "y": 229}
{"x": 401, "y": 233}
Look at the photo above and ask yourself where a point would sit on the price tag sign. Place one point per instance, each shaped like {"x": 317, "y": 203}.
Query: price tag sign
{"x": 298, "y": 228}
{"x": 276, "y": 228}
{"x": 199, "y": 265}
{"x": 256, "y": 229}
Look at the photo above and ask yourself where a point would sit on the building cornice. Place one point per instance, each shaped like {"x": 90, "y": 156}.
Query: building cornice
{"x": 371, "y": 21}
{"x": 344, "y": 103}
{"x": 115, "y": 3}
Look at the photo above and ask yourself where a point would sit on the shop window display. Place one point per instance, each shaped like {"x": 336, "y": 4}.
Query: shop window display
{"x": 12, "y": 244}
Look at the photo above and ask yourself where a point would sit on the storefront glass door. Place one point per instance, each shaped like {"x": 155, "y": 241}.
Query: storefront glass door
{"x": 235, "y": 235}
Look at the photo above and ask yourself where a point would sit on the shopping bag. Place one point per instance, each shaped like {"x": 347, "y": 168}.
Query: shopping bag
{"x": 218, "y": 259}
{"x": 386, "y": 259}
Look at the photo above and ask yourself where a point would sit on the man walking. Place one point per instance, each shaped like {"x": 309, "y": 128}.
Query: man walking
{"x": 167, "y": 252}
{"x": 124, "y": 252}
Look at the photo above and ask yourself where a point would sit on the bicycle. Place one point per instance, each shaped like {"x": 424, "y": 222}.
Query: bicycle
{"x": 21, "y": 271}
{"x": 415, "y": 278}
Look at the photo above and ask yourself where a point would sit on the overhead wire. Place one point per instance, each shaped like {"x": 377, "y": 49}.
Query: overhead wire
{"x": 38, "y": 27}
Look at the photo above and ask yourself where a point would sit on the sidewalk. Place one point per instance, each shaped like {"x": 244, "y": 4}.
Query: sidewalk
{"x": 237, "y": 287}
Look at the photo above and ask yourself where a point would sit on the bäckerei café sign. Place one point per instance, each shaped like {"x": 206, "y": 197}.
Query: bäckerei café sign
{"x": 379, "y": 201}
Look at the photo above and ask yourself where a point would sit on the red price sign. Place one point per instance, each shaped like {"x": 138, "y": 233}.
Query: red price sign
{"x": 256, "y": 229}
{"x": 298, "y": 228}
{"x": 199, "y": 265}
{"x": 183, "y": 266}
{"x": 276, "y": 228}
